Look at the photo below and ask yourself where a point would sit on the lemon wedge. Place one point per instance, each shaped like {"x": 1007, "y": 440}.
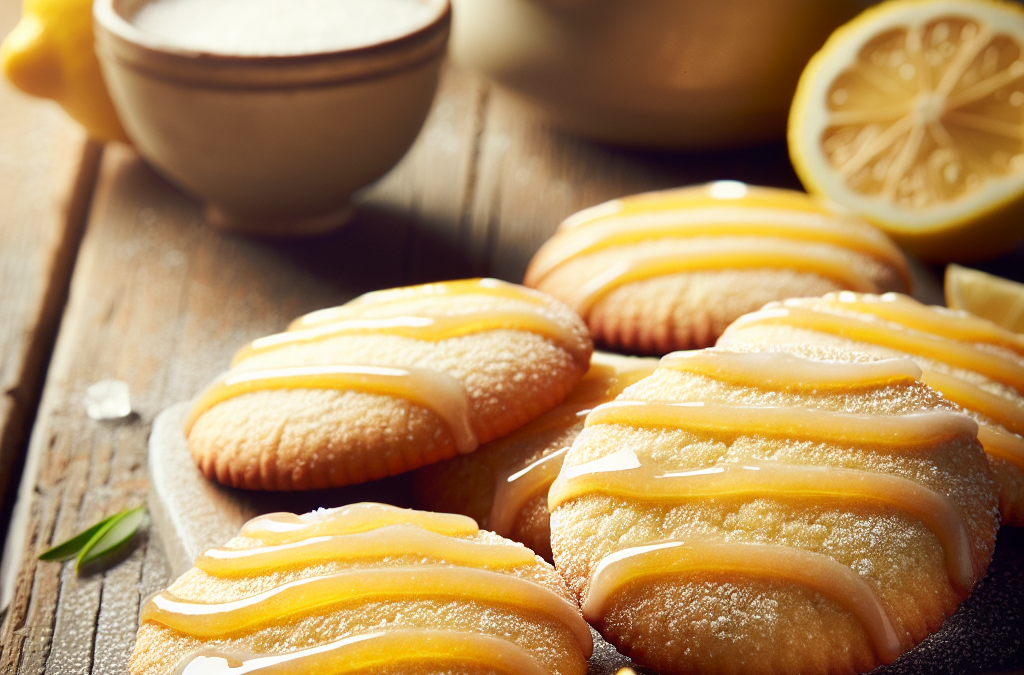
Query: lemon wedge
{"x": 912, "y": 116}
{"x": 990, "y": 297}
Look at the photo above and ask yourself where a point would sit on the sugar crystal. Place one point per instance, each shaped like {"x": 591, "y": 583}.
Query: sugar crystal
{"x": 108, "y": 400}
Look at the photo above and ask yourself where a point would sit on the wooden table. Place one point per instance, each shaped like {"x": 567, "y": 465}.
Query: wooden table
{"x": 108, "y": 271}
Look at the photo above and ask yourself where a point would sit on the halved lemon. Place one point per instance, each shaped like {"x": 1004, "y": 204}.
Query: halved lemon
{"x": 990, "y": 297}
{"x": 912, "y": 116}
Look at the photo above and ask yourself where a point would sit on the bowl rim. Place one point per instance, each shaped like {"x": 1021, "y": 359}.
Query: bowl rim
{"x": 107, "y": 17}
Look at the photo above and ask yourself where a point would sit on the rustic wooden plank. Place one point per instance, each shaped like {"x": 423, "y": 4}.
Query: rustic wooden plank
{"x": 19, "y": 641}
{"x": 160, "y": 301}
{"x": 433, "y": 200}
{"x": 531, "y": 176}
{"x": 47, "y": 168}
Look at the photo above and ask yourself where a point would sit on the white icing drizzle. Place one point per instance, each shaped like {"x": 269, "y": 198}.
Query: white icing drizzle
{"x": 777, "y": 480}
{"x": 513, "y": 491}
{"x": 810, "y": 570}
{"x": 900, "y": 431}
{"x": 383, "y": 542}
{"x": 283, "y": 528}
{"x": 434, "y": 390}
{"x": 786, "y": 372}
{"x": 411, "y": 647}
{"x": 216, "y": 620}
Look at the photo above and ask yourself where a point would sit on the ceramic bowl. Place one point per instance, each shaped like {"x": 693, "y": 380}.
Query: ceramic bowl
{"x": 651, "y": 73}
{"x": 273, "y": 145}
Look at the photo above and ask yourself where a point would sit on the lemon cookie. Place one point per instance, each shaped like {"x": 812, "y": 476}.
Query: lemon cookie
{"x": 504, "y": 484}
{"x": 365, "y": 588}
{"x": 972, "y": 361}
{"x": 670, "y": 270}
{"x": 389, "y": 382}
{"x": 770, "y": 513}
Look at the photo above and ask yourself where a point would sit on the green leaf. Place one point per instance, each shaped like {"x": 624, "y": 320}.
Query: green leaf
{"x": 115, "y": 532}
{"x": 71, "y": 547}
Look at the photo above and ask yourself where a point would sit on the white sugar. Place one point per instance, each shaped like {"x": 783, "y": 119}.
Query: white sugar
{"x": 281, "y": 27}
{"x": 108, "y": 400}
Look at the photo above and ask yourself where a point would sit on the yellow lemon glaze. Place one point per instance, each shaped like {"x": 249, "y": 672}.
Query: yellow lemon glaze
{"x": 302, "y": 597}
{"x": 383, "y": 542}
{"x": 371, "y": 652}
{"x": 487, "y": 287}
{"x": 431, "y": 389}
{"x": 909, "y": 313}
{"x": 434, "y": 390}
{"x": 625, "y": 475}
{"x": 634, "y": 227}
{"x": 428, "y": 328}
{"x": 462, "y": 570}
{"x": 951, "y": 337}
{"x": 775, "y": 480}
{"x": 779, "y": 371}
{"x": 952, "y": 352}
{"x": 973, "y": 397}
{"x": 725, "y": 193}
{"x": 810, "y": 570}
{"x": 729, "y": 254}
{"x": 513, "y": 491}
{"x": 909, "y": 430}
{"x": 737, "y": 227}
{"x": 284, "y": 528}
{"x": 1001, "y": 443}
{"x": 607, "y": 377}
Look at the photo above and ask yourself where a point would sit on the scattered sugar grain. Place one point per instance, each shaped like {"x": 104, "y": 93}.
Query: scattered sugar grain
{"x": 108, "y": 400}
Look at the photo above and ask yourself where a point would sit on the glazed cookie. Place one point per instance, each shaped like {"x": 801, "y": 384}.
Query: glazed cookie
{"x": 768, "y": 513}
{"x": 366, "y": 589}
{"x": 670, "y": 270}
{"x": 972, "y": 361}
{"x": 504, "y": 484}
{"x": 389, "y": 382}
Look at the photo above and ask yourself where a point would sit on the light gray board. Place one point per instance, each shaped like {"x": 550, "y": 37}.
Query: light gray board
{"x": 190, "y": 513}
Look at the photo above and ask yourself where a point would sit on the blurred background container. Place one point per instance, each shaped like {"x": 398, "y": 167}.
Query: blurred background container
{"x": 651, "y": 73}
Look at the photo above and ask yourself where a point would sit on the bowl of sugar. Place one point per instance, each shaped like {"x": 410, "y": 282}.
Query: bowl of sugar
{"x": 272, "y": 112}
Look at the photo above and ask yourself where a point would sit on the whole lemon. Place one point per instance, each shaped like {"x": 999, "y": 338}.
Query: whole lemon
{"x": 50, "y": 54}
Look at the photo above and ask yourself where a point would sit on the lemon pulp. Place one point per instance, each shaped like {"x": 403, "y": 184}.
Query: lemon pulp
{"x": 912, "y": 115}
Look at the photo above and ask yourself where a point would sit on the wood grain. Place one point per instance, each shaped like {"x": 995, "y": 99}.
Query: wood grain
{"x": 531, "y": 176}
{"x": 47, "y": 171}
{"x": 160, "y": 301}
